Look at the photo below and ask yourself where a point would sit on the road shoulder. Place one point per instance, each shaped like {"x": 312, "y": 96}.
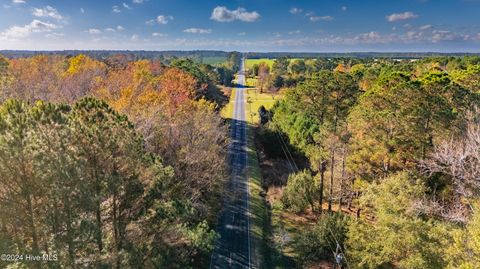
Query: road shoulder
{"x": 258, "y": 209}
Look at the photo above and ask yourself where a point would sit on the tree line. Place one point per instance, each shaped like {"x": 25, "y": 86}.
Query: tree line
{"x": 109, "y": 164}
{"x": 392, "y": 146}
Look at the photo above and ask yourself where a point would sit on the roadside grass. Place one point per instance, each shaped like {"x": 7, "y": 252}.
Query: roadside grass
{"x": 284, "y": 226}
{"x": 227, "y": 110}
{"x": 259, "y": 221}
{"x": 275, "y": 224}
{"x": 251, "y": 82}
{"x": 255, "y": 100}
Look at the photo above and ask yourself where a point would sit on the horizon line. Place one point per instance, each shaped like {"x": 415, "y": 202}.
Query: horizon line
{"x": 245, "y": 52}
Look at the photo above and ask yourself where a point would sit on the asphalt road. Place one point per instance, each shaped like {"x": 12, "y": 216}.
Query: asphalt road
{"x": 232, "y": 250}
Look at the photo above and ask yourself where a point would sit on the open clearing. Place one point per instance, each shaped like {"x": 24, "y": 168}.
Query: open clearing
{"x": 255, "y": 100}
{"x": 249, "y": 63}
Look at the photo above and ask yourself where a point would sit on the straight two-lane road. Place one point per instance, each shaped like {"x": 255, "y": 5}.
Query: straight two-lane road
{"x": 233, "y": 249}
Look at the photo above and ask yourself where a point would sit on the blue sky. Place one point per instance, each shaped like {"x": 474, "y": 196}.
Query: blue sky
{"x": 244, "y": 25}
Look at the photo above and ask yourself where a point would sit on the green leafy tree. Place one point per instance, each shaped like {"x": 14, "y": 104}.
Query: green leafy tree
{"x": 396, "y": 122}
{"x": 299, "y": 192}
{"x": 397, "y": 237}
{"x": 314, "y": 115}
{"x": 21, "y": 186}
{"x": 468, "y": 78}
{"x": 320, "y": 241}
{"x": 464, "y": 252}
{"x": 297, "y": 67}
{"x": 280, "y": 66}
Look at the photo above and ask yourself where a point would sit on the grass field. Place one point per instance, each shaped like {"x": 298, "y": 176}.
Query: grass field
{"x": 251, "y": 62}
{"x": 255, "y": 99}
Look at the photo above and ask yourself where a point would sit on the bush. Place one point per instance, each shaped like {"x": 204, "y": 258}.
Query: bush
{"x": 320, "y": 241}
{"x": 299, "y": 192}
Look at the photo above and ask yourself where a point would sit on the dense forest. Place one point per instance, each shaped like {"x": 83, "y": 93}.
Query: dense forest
{"x": 112, "y": 163}
{"x": 381, "y": 166}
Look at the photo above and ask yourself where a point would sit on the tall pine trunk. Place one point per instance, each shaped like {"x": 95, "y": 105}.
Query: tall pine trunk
{"x": 332, "y": 167}
{"x": 323, "y": 165}
{"x": 98, "y": 216}
{"x": 342, "y": 182}
{"x": 71, "y": 251}
{"x": 33, "y": 229}
{"x": 332, "y": 157}
{"x": 115, "y": 229}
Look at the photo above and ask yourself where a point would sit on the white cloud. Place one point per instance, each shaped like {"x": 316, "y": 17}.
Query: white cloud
{"x": 36, "y": 26}
{"x": 296, "y": 32}
{"x": 109, "y": 30}
{"x": 344, "y": 8}
{"x": 159, "y": 34}
{"x": 222, "y": 14}
{"x": 438, "y": 36}
{"x": 125, "y": 5}
{"x": 321, "y": 18}
{"x": 94, "y": 31}
{"x": 120, "y": 28}
{"x": 197, "y": 31}
{"x": 370, "y": 37}
{"x": 162, "y": 19}
{"x": 150, "y": 22}
{"x": 425, "y": 27}
{"x": 139, "y": 1}
{"x": 116, "y": 9}
{"x": 47, "y": 11}
{"x": 242, "y": 34}
{"x": 401, "y": 16}
{"x": 54, "y": 35}
{"x": 296, "y": 10}
{"x": 135, "y": 38}
{"x": 18, "y": 2}
{"x": 82, "y": 10}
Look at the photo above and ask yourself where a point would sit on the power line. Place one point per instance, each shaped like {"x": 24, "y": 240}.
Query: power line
{"x": 285, "y": 149}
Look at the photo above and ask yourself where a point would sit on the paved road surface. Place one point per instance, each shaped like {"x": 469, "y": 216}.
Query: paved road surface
{"x": 232, "y": 250}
